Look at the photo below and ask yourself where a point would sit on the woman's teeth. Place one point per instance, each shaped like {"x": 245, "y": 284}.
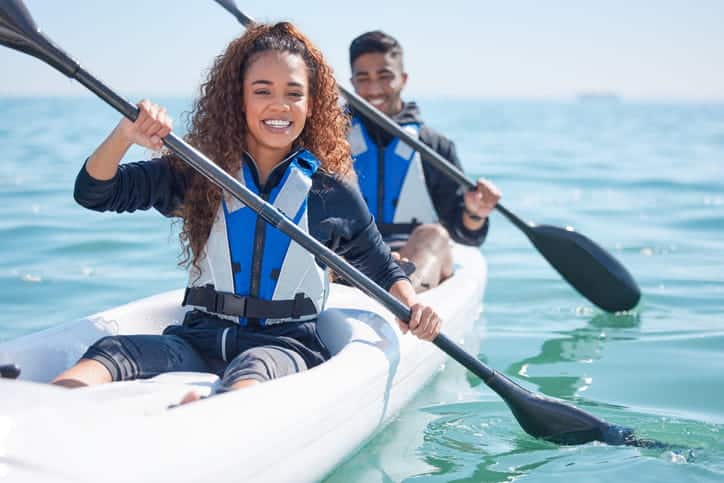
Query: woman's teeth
{"x": 277, "y": 123}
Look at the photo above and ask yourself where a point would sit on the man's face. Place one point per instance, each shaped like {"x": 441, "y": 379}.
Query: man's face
{"x": 378, "y": 78}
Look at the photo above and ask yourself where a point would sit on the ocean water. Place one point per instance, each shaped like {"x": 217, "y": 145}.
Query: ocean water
{"x": 644, "y": 180}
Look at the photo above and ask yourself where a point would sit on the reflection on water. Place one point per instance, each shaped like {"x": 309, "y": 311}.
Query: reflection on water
{"x": 583, "y": 344}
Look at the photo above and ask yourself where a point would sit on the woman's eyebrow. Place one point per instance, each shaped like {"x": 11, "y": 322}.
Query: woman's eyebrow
{"x": 268, "y": 83}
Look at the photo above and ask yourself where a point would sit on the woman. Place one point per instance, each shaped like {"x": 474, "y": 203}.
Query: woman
{"x": 269, "y": 115}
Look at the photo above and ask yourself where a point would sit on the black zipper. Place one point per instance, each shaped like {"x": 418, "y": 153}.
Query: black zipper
{"x": 260, "y": 234}
{"x": 257, "y": 253}
{"x": 380, "y": 180}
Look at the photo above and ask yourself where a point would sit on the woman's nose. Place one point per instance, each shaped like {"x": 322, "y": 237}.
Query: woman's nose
{"x": 280, "y": 104}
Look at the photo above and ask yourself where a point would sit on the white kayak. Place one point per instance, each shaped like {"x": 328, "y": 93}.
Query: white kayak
{"x": 296, "y": 428}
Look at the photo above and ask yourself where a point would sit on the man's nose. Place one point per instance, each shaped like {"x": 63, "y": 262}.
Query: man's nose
{"x": 375, "y": 87}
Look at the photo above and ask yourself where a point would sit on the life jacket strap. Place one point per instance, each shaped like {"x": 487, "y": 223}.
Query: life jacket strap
{"x": 246, "y": 306}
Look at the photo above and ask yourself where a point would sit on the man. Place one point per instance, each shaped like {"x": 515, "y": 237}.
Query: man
{"x": 417, "y": 208}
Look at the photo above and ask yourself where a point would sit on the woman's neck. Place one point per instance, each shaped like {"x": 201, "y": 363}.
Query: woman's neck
{"x": 266, "y": 158}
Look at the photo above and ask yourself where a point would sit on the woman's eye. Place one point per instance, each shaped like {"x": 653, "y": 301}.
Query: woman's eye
{"x": 296, "y": 94}
{"x": 261, "y": 92}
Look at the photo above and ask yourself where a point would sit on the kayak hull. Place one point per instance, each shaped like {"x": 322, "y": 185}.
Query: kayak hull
{"x": 296, "y": 428}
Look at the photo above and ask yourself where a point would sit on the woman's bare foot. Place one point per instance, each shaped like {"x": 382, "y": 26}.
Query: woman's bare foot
{"x": 189, "y": 398}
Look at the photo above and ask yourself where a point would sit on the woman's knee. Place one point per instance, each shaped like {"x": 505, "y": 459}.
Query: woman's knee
{"x": 112, "y": 353}
{"x": 261, "y": 364}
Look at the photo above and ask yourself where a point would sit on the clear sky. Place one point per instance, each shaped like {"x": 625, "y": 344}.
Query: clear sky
{"x": 454, "y": 48}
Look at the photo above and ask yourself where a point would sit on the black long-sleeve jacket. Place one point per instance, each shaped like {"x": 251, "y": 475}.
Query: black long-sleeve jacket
{"x": 338, "y": 216}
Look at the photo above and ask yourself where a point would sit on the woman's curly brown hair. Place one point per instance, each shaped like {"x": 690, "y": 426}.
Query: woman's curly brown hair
{"x": 217, "y": 125}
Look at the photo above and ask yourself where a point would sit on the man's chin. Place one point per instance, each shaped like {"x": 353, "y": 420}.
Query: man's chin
{"x": 390, "y": 109}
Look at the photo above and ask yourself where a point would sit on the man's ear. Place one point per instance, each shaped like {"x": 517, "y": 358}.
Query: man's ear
{"x": 404, "y": 79}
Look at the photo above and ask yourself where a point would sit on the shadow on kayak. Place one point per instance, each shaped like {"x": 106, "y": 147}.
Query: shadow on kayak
{"x": 336, "y": 335}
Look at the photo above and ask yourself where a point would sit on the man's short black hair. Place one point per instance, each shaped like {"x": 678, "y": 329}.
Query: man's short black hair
{"x": 375, "y": 42}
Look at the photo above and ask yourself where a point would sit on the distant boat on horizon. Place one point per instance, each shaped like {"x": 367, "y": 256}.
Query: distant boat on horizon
{"x": 598, "y": 96}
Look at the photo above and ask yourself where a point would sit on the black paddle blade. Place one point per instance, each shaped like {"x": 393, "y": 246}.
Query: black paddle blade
{"x": 230, "y": 6}
{"x": 587, "y": 267}
{"x": 555, "y": 420}
{"x": 19, "y": 32}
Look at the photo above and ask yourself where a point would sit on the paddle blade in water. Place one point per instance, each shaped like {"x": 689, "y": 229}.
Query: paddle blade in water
{"x": 555, "y": 420}
{"x": 587, "y": 267}
{"x": 19, "y": 32}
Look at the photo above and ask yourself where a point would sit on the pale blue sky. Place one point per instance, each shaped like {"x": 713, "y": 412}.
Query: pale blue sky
{"x": 555, "y": 49}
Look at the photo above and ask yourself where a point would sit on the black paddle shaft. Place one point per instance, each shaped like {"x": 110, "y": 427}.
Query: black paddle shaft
{"x": 539, "y": 416}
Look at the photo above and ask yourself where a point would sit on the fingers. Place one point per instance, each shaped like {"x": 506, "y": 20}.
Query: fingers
{"x": 473, "y": 199}
{"x": 415, "y": 317}
{"x": 489, "y": 193}
{"x": 424, "y": 322}
{"x": 482, "y": 200}
{"x": 152, "y": 125}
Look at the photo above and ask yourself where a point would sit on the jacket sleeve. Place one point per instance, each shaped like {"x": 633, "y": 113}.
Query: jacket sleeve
{"x": 341, "y": 220}
{"x": 446, "y": 194}
{"x": 135, "y": 186}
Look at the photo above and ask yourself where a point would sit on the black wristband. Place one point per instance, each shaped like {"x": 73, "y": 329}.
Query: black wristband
{"x": 472, "y": 215}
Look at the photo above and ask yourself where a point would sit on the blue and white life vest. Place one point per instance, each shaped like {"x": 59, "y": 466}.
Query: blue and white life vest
{"x": 251, "y": 259}
{"x": 391, "y": 180}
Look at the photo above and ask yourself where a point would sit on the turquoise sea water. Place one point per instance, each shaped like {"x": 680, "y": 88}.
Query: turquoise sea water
{"x": 646, "y": 181}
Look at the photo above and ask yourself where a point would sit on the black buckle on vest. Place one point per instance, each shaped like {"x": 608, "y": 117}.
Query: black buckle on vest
{"x": 213, "y": 301}
{"x": 229, "y": 304}
{"x": 297, "y": 305}
{"x": 246, "y": 306}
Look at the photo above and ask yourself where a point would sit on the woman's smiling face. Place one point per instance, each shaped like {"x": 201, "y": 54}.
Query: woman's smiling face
{"x": 276, "y": 101}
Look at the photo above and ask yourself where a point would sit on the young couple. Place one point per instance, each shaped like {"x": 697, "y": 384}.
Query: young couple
{"x": 269, "y": 115}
